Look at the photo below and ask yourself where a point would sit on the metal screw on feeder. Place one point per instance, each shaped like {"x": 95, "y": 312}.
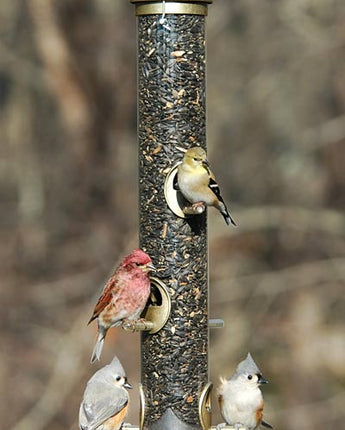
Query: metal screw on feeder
{"x": 175, "y": 392}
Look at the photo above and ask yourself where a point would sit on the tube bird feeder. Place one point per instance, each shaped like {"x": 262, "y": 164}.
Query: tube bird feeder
{"x": 172, "y": 118}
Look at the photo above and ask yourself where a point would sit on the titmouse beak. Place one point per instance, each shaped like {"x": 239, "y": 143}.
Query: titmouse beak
{"x": 261, "y": 380}
{"x": 127, "y": 385}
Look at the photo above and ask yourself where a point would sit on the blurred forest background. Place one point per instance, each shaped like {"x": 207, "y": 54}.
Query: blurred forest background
{"x": 68, "y": 189}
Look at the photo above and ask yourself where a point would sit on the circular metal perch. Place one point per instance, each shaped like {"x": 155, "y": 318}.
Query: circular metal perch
{"x": 175, "y": 200}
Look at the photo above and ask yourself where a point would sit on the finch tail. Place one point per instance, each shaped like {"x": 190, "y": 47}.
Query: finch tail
{"x": 219, "y": 202}
{"x": 263, "y": 423}
{"x": 224, "y": 211}
{"x": 97, "y": 350}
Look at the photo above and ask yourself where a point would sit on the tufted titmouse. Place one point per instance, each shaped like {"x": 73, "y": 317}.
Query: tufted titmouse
{"x": 240, "y": 398}
{"x": 105, "y": 401}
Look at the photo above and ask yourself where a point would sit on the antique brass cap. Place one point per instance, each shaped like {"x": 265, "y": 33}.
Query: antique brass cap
{"x": 187, "y": 7}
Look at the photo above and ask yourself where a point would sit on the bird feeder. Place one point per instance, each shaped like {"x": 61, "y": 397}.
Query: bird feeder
{"x": 172, "y": 118}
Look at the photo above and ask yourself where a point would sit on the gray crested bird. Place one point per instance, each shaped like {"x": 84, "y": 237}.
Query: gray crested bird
{"x": 240, "y": 398}
{"x": 105, "y": 401}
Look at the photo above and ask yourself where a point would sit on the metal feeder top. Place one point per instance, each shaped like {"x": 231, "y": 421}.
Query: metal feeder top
{"x": 187, "y": 7}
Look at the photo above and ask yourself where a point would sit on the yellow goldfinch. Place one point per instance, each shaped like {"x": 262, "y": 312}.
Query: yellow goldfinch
{"x": 198, "y": 184}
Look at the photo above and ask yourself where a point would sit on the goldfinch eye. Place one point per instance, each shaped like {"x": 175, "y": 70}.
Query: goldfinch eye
{"x": 250, "y": 377}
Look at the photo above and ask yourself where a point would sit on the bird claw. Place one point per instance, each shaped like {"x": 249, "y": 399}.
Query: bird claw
{"x": 128, "y": 325}
{"x": 236, "y": 426}
{"x": 195, "y": 209}
{"x": 140, "y": 324}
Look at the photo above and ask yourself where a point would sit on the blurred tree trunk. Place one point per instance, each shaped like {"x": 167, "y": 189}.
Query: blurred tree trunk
{"x": 82, "y": 105}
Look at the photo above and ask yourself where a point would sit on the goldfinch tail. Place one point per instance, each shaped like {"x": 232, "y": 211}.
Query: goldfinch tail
{"x": 224, "y": 211}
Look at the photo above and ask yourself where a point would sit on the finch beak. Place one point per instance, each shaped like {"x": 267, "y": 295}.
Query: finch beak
{"x": 150, "y": 267}
{"x": 262, "y": 380}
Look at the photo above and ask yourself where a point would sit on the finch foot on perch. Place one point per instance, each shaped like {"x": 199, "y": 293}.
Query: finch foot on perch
{"x": 195, "y": 209}
{"x": 137, "y": 325}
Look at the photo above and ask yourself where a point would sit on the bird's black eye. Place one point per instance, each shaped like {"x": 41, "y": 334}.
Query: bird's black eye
{"x": 250, "y": 377}
{"x": 118, "y": 378}
{"x": 195, "y": 159}
{"x": 137, "y": 264}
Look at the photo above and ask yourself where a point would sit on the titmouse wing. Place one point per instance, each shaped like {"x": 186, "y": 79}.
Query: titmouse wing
{"x": 101, "y": 402}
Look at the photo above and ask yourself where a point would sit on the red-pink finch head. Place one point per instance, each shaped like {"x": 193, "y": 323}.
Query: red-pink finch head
{"x": 139, "y": 259}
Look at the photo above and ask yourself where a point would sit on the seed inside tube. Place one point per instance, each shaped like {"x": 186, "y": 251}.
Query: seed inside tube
{"x": 172, "y": 116}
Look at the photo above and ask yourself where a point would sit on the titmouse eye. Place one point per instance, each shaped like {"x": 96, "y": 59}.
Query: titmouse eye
{"x": 250, "y": 377}
{"x": 118, "y": 378}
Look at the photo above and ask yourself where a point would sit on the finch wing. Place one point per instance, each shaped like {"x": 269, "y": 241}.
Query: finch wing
{"x": 101, "y": 402}
{"x": 215, "y": 188}
{"x": 110, "y": 288}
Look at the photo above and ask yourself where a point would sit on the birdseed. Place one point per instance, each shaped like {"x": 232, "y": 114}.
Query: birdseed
{"x": 171, "y": 110}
